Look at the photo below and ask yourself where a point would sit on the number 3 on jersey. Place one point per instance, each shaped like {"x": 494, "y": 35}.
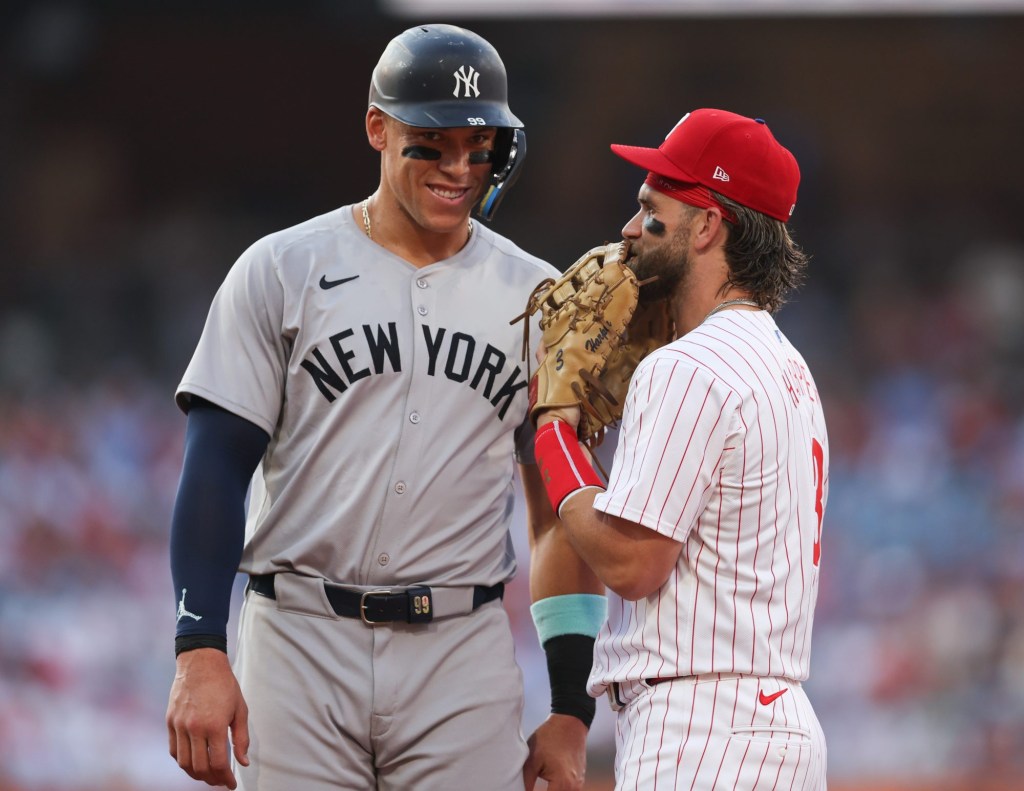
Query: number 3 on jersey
{"x": 818, "y": 456}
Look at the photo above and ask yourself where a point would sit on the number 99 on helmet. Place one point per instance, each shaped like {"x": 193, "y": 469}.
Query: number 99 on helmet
{"x": 434, "y": 76}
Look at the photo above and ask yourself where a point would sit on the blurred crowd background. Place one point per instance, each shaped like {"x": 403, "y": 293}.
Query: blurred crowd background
{"x": 143, "y": 146}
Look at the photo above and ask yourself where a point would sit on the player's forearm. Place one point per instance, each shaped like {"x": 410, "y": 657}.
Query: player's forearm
{"x": 601, "y": 548}
{"x": 627, "y": 557}
{"x": 208, "y": 520}
{"x": 569, "y": 606}
{"x": 556, "y": 569}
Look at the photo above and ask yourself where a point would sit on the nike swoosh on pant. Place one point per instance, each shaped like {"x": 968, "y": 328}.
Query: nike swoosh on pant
{"x": 768, "y": 699}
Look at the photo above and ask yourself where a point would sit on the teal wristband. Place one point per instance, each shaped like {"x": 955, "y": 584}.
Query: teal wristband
{"x": 573, "y": 613}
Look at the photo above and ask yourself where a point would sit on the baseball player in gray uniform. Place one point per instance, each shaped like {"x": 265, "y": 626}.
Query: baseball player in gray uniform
{"x": 359, "y": 379}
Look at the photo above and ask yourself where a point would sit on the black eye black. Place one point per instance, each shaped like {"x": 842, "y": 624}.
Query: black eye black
{"x": 654, "y": 226}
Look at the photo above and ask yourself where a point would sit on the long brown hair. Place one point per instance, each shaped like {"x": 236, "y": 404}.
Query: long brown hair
{"x": 763, "y": 258}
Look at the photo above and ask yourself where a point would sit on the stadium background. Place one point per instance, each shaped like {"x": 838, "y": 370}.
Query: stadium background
{"x": 143, "y": 147}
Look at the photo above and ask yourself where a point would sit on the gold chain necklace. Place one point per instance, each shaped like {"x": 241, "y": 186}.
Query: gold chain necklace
{"x": 369, "y": 232}
{"x": 366, "y": 219}
{"x": 728, "y": 303}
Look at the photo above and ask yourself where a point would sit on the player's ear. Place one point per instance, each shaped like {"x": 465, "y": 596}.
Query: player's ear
{"x": 707, "y": 227}
{"x": 376, "y": 129}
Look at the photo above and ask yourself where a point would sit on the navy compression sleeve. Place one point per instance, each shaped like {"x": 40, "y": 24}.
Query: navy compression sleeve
{"x": 208, "y": 522}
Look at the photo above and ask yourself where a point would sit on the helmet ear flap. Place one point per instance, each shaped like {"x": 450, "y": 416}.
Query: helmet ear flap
{"x": 509, "y": 153}
{"x": 504, "y": 140}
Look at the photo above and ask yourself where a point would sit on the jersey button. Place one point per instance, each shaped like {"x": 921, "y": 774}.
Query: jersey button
{"x": 422, "y": 310}
{"x": 383, "y": 558}
{"x": 400, "y": 487}
{"x": 414, "y": 417}
{"x": 422, "y": 283}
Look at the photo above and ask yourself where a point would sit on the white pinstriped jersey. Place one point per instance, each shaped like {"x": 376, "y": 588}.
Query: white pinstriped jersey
{"x": 722, "y": 448}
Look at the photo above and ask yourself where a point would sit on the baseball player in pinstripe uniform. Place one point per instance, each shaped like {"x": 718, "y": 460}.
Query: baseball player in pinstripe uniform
{"x": 710, "y": 527}
{"x": 360, "y": 371}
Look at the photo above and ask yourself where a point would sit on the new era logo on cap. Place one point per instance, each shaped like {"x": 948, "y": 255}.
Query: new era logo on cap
{"x": 731, "y": 154}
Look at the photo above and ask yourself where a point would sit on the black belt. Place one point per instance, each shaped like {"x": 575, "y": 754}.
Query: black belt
{"x": 412, "y": 605}
{"x": 615, "y": 695}
{"x": 614, "y": 688}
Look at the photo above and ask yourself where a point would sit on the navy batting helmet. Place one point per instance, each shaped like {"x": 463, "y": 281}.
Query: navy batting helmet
{"x": 446, "y": 76}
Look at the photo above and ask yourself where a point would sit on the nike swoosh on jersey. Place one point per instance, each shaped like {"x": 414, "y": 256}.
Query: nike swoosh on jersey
{"x": 767, "y": 699}
{"x": 326, "y": 284}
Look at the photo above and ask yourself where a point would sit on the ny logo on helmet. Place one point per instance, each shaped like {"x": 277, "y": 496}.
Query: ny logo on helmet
{"x": 466, "y": 80}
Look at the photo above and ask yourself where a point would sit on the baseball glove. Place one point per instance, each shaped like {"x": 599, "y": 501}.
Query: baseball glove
{"x": 584, "y": 316}
{"x": 650, "y": 328}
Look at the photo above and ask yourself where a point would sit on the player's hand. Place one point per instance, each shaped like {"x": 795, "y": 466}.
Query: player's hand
{"x": 567, "y": 414}
{"x": 558, "y": 754}
{"x": 205, "y": 703}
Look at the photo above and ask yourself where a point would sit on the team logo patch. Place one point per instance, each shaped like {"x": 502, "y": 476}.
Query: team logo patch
{"x": 467, "y": 81}
{"x": 182, "y": 612}
{"x": 676, "y": 126}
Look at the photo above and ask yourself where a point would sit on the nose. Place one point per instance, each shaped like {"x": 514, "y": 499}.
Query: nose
{"x": 455, "y": 160}
{"x": 632, "y": 229}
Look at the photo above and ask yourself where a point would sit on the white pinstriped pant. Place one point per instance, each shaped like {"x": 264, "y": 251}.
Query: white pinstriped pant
{"x": 716, "y": 732}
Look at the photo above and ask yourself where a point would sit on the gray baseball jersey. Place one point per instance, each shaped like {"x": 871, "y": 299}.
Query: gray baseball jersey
{"x": 393, "y": 397}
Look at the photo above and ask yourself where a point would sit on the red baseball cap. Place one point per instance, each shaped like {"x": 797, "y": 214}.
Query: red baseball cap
{"x": 731, "y": 154}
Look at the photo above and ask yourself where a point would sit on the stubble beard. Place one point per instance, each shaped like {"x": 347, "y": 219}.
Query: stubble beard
{"x": 668, "y": 262}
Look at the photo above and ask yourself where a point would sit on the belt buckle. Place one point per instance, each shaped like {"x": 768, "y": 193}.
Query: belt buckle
{"x": 614, "y": 699}
{"x": 362, "y": 605}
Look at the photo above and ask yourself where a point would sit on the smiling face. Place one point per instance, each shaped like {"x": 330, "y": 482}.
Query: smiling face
{"x": 659, "y": 236}
{"x": 434, "y": 177}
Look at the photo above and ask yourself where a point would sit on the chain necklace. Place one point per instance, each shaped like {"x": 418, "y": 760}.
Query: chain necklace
{"x": 729, "y": 303}
{"x": 366, "y": 219}
{"x": 369, "y": 232}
